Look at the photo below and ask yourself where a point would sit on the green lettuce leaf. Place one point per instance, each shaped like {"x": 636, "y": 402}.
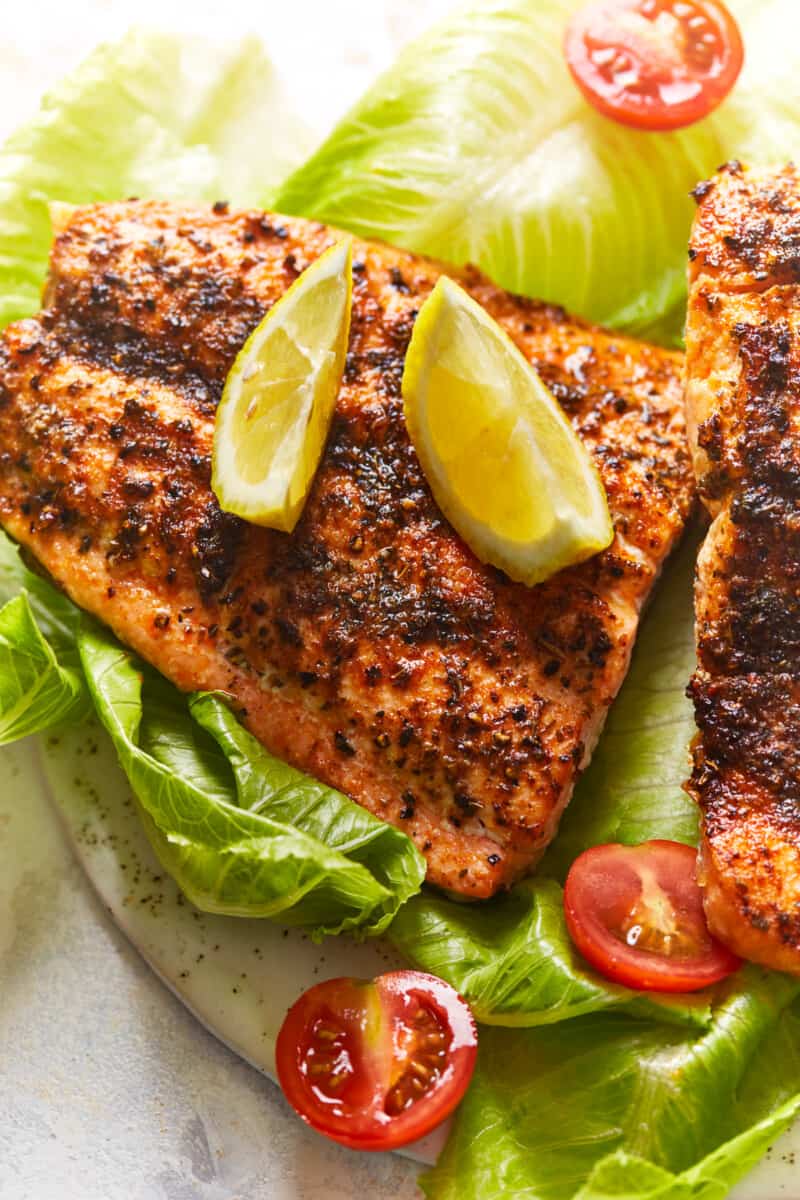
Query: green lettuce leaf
{"x": 476, "y": 146}
{"x": 513, "y": 959}
{"x": 240, "y": 832}
{"x": 151, "y": 115}
{"x": 57, "y": 617}
{"x": 271, "y": 788}
{"x": 36, "y": 692}
{"x": 607, "y": 1106}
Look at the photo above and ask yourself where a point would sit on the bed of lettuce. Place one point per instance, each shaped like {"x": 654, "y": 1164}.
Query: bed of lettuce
{"x": 474, "y": 146}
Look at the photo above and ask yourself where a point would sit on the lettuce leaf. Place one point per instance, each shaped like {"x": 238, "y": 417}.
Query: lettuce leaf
{"x": 513, "y": 959}
{"x": 240, "y": 832}
{"x": 36, "y": 692}
{"x": 150, "y": 115}
{"x": 477, "y": 146}
{"x": 56, "y": 617}
{"x": 607, "y": 1106}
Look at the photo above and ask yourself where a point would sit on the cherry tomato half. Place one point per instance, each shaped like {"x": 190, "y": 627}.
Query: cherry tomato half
{"x": 636, "y": 914}
{"x": 375, "y": 1064}
{"x": 654, "y": 64}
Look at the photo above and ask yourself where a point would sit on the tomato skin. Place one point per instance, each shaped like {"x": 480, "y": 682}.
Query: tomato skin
{"x": 654, "y": 64}
{"x": 381, "y": 1036}
{"x": 618, "y": 896}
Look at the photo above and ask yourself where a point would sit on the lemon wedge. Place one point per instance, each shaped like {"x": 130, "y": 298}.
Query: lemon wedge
{"x": 503, "y": 462}
{"x": 279, "y": 397}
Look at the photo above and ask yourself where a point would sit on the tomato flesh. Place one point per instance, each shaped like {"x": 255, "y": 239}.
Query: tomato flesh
{"x": 654, "y": 64}
{"x": 376, "y": 1064}
{"x": 636, "y": 914}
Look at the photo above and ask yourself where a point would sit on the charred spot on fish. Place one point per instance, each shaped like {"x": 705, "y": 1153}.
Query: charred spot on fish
{"x": 751, "y": 722}
{"x": 600, "y": 649}
{"x": 138, "y": 487}
{"x": 765, "y": 350}
{"x": 217, "y": 540}
{"x": 125, "y": 545}
{"x": 409, "y": 802}
{"x": 342, "y": 744}
{"x": 701, "y": 190}
{"x": 389, "y": 367}
{"x": 466, "y": 804}
{"x": 709, "y": 437}
{"x": 406, "y": 734}
{"x": 755, "y": 505}
{"x": 210, "y": 294}
{"x": 289, "y": 632}
{"x": 397, "y": 281}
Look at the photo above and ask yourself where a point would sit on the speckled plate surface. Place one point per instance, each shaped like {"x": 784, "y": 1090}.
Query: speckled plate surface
{"x": 236, "y": 976}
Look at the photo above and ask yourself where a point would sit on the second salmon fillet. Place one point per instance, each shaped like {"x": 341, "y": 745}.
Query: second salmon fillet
{"x": 369, "y": 648}
{"x": 743, "y": 397}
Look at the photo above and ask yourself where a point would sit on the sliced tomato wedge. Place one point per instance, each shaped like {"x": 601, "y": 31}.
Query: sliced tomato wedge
{"x": 654, "y": 64}
{"x": 636, "y": 914}
{"x": 376, "y": 1064}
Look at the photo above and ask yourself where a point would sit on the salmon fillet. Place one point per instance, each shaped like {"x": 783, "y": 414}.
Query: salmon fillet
{"x": 369, "y": 648}
{"x": 743, "y": 403}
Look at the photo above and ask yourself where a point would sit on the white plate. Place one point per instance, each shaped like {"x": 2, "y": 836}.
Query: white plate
{"x": 237, "y": 976}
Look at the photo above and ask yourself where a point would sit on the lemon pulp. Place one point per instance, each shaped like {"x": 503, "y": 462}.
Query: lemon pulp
{"x": 279, "y": 397}
{"x": 502, "y": 460}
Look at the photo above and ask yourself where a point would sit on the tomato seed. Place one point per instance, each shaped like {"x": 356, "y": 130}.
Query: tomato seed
{"x": 603, "y": 57}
